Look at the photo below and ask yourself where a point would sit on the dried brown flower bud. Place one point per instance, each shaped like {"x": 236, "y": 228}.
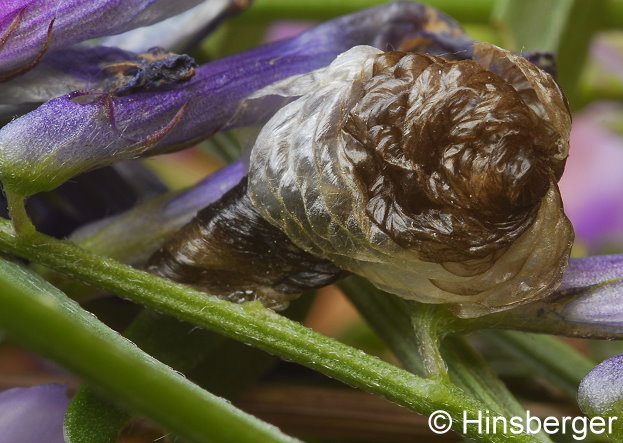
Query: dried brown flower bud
{"x": 434, "y": 179}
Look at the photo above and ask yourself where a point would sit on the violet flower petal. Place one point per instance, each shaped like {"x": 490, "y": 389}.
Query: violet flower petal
{"x": 92, "y": 68}
{"x": 33, "y": 414}
{"x": 601, "y": 393}
{"x": 62, "y": 137}
{"x": 134, "y": 235}
{"x": 28, "y": 28}
{"x": 588, "y": 303}
{"x": 586, "y": 272}
{"x": 600, "y": 307}
{"x": 79, "y": 67}
{"x": 591, "y": 293}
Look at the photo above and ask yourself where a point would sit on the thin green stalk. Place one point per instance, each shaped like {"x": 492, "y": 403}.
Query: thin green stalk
{"x": 378, "y": 314}
{"x": 43, "y": 319}
{"x": 564, "y": 27}
{"x": 220, "y": 365}
{"x": 558, "y": 362}
{"x": 92, "y": 419}
{"x": 17, "y": 211}
{"x": 472, "y": 372}
{"x": 428, "y": 329}
{"x": 253, "y": 324}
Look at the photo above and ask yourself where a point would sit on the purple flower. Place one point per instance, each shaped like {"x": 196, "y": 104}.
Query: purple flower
{"x": 81, "y": 131}
{"x": 601, "y": 394}
{"x": 29, "y": 28}
{"x": 588, "y": 303}
{"x": 33, "y": 414}
{"x": 94, "y": 68}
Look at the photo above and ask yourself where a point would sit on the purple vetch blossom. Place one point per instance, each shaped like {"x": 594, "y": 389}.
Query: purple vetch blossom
{"x": 601, "y": 393}
{"x": 86, "y": 67}
{"x": 116, "y": 59}
{"x": 33, "y": 414}
{"x": 588, "y": 303}
{"x": 133, "y": 236}
{"x": 78, "y": 131}
{"x": 594, "y": 289}
{"x": 30, "y": 28}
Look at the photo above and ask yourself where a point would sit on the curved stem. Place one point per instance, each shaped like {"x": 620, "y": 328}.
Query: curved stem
{"x": 17, "y": 211}
{"x": 428, "y": 333}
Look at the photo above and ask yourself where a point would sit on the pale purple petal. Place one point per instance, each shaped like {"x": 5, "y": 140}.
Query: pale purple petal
{"x": 602, "y": 306}
{"x": 591, "y": 292}
{"x": 29, "y": 28}
{"x": 588, "y": 303}
{"x": 80, "y": 67}
{"x": 66, "y": 135}
{"x": 33, "y": 414}
{"x": 133, "y": 236}
{"x": 588, "y": 271}
{"x": 601, "y": 391}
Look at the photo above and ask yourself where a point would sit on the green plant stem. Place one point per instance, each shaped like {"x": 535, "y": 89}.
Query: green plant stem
{"x": 558, "y": 362}
{"x": 17, "y": 211}
{"x": 92, "y": 419}
{"x": 469, "y": 370}
{"x": 253, "y": 324}
{"x": 46, "y": 321}
{"x": 379, "y": 313}
{"x": 428, "y": 328}
{"x": 220, "y": 365}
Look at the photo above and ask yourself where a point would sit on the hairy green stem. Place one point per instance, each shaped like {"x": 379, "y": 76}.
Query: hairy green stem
{"x": 253, "y": 324}
{"x": 17, "y": 211}
{"x": 43, "y": 319}
{"x": 428, "y": 329}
